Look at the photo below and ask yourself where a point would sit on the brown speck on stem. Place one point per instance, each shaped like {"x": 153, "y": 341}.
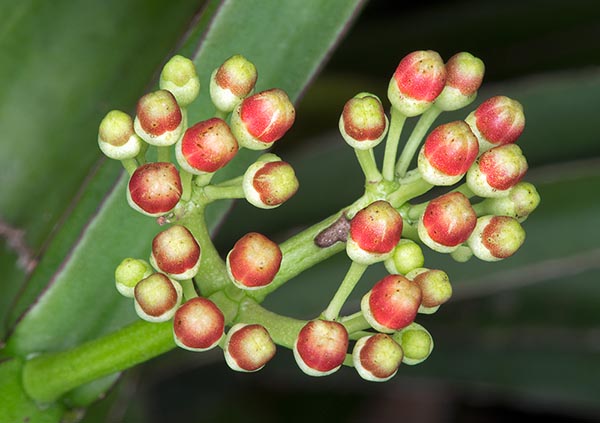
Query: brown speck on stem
{"x": 337, "y": 231}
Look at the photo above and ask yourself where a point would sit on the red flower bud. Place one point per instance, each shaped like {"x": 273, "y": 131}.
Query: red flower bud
{"x": 363, "y": 123}
{"x": 418, "y": 80}
{"x": 268, "y": 184}
{"x": 176, "y": 252}
{"x": 260, "y": 120}
{"x": 377, "y": 357}
{"x": 320, "y": 348}
{"x": 416, "y": 342}
{"x": 154, "y": 188}
{"x": 231, "y": 82}
{"x": 447, "y": 222}
{"x": 374, "y": 232}
{"x": 391, "y": 304}
{"x": 435, "y": 288}
{"x": 448, "y": 153}
{"x": 254, "y": 261}
{"x": 248, "y": 347}
{"x": 206, "y": 147}
{"x": 157, "y": 297}
{"x": 158, "y": 119}
{"x": 116, "y": 137}
{"x": 198, "y": 325}
{"x": 464, "y": 74}
{"x": 496, "y": 237}
{"x": 497, "y": 171}
{"x": 497, "y": 121}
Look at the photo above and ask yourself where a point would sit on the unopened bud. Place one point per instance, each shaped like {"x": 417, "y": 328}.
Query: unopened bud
{"x": 176, "y": 252}
{"x": 154, "y": 188}
{"x": 418, "y": 80}
{"x": 129, "y": 273}
{"x": 497, "y": 171}
{"x": 321, "y": 347}
{"x": 263, "y": 118}
{"x": 269, "y": 182}
{"x": 496, "y": 237}
{"x": 254, "y": 261}
{"x": 232, "y": 82}
{"x": 464, "y": 74}
{"x": 248, "y": 347}
{"x": 198, "y": 325}
{"x": 448, "y": 153}
{"x": 158, "y": 119}
{"x": 157, "y": 297}
{"x": 363, "y": 122}
{"x": 377, "y": 357}
{"x": 435, "y": 288}
{"x": 206, "y": 147}
{"x": 521, "y": 201}
{"x": 416, "y": 342}
{"x": 179, "y": 76}
{"x": 407, "y": 255}
{"x": 116, "y": 137}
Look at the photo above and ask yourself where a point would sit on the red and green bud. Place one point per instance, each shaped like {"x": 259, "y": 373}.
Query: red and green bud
{"x": 269, "y": 182}
{"x": 407, "y": 255}
{"x": 435, "y": 288}
{"x": 263, "y": 118}
{"x": 198, "y": 325}
{"x": 116, "y": 137}
{"x": 254, "y": 261}
{"x": 392, "y": 303}
{"x": 374, "y": 232}
{"x": 248, "y": 347}
{"x": 416, "y": 342}
{"x": 497, "y": 121}
{"x": 176, "y": 252}
{"x": 377, "y": 357}
{"x": 497, "y": 171}
{"x": 521, "y": 201}
{"x": 180, "y": 78}
{"x": 363, "y": 123}
{"x": 417, "y": 82}
{"x": 157, "y": 297}
{"x": 496, "y": 237}
{"x": 154, "y": 188}
{"x": 206, "y": 147}
{"x": 128, "y": 273}
{"x": 158, "y": 119}
{"x": 232, "y": 82}
{"x": 464, "y": 74}
{"x": 321, "y": 347}
{"x": 447, "y": 222}
{"x": 448, "y": 153}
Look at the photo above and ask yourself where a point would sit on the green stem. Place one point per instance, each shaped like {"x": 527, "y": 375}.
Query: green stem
{"x": 417, "y": 135}
{"x": 141, "y": 157}
{"x": 221, "y": 114}
{"x": 214, "y": 192}
{"x": 464, "y": 190}
{"x": 204, "y": 179}
{"x": 164, "y": 154}
{"x": 346, "y": 287}
{"x": 130, "y": 165}
{"x": 410, "y": 232}
{"x": 355, "y": 323}
{"x": 48, "y": 376}
{"x": 230, "y": 182}
{"x": 355, "y": 336}
{"x": 409, "y": 191}
{"x": 186, "y": 184}
{"x": 391, "y": 143}
{"x": 366, "y": 159}
{"x": 189, "y": 290}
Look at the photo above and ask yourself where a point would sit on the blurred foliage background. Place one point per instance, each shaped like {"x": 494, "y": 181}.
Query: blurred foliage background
{"x": 520, "y": 338}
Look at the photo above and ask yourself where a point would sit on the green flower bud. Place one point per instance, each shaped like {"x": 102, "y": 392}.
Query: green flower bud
{"x": 129, "y": 273}
{"x": 179, "y": 76}
{"x": 416, "y": 342}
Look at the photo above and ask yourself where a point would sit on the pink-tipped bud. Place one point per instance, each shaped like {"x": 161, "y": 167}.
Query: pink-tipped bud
{"x": 231, "y": 82}
{"x": 377, "y": 357}
{"x": 435, "y": 288}
{"x": 269, "y": 182}
{"x": 158, "y": 119}
{"x": 496, "y": 237}
{"x": 248, "y": 347}
{"x": 497, "y": 171}
{"x": 129, "y": 273}
{"x": 448, "y": 153}
{"x": 418, "y": 80}
{"x": 260, "y": 120}
{"x": 321, "y": 347}
{"x": 206, "y": 147}
{"x": 391, "y": 304}
{"x": 176, "y": 252}
{"x": 157, "y": 297}
{"x": 407, "y": 255}
{"x": 116, "y": 137}
{"x": 497, "y": 121}
{"x": 464, "y": 74}
{"x": 154, "y": 188}
{"x": 363, "y": 122}
{"x": 374, "y": 232}
{"x": 198, "y": 325}
{"x": 416, "y": 342}
{"x": 521, "y": 201}
{"x": 180, "y": 78}
{"x": 254, "y": 261}
{"x": 447, "y": 222}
